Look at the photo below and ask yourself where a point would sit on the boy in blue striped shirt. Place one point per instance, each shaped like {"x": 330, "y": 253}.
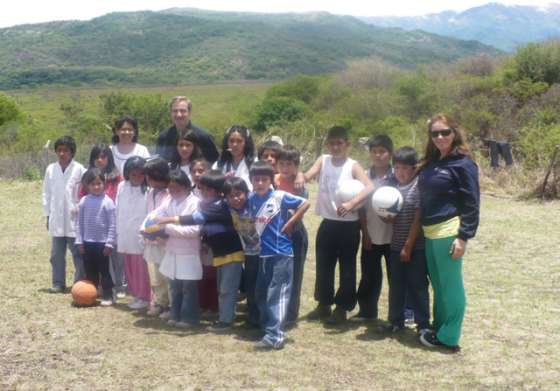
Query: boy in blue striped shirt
{"x": 274, "y": 223}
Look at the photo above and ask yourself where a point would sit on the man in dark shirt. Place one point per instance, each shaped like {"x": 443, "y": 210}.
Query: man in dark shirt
{"x": 181, "y": 109}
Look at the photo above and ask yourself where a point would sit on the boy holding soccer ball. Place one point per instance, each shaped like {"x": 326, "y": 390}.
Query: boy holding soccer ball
{"x": 338, "y": 236}
{"x": 407, "y": 261}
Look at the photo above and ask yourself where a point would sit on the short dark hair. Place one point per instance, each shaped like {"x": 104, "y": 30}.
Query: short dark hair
{"x": 200, "y": 160}
{"x": 381, "y": 140}
{"x": 213, "y": 179}
{"x": 119, "y": 124}
{"x": 337, "y": 132}
{"x": 180, "y": 177}
{"x": 406, "y": 155}
{"x": 67, "y": 141}
{"x": 157, "y": 169}
{"x": 261, "y": 168}
{"x": 289, "y": 153}
{"x": 269, "y": 144}
{"x": 91, "y": 174}
{"x": 133, "y": 162}
{"x": 235, "y": 183}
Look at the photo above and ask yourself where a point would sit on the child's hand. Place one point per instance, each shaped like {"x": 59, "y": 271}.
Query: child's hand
{"x": 388, "y": 219}
{"x": 458, "y": 248}
{"x": 288, "y": 228}
{"x": 405, "y": 255}
{"x": 107, "y": 251}
{"x": 345, "y": 208}
{"x": 366, "y": 241}
{"x": 299, "y": 181}
{"x": 166, "y": 220}
{"x": 81, "y": 249}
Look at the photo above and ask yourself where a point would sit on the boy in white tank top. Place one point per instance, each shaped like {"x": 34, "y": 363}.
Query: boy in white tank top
{"x": 338, "y": 236}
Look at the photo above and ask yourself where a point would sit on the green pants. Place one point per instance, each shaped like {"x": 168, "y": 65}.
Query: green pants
{"x": 449, "y": 293}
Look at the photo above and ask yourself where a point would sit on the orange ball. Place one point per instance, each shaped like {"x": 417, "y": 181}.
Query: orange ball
{"x": 84, "y": 293}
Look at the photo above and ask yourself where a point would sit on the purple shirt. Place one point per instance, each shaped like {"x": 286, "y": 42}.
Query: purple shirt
{"x": 96, "y": 220}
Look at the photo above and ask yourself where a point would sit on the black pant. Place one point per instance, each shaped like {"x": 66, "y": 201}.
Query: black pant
{"x": 372, "y": 278}
{"x": 497, "y": 149}
{"x": 97, "y": 265}
{"x": 337, "y": 241}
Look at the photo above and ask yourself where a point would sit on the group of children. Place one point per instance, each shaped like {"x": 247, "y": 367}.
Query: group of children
{"x": 235, "y": 226}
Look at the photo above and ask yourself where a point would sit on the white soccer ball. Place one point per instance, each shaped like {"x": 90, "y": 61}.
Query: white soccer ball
{"x": 347, "y": 190}
{"x": 387, "y": 201}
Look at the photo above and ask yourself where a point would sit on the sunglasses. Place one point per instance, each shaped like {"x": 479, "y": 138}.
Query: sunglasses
{"x": 443, "y": 133}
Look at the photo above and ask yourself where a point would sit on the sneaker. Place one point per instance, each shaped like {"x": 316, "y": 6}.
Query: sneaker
{"x": 219, "y": 326}
{"x": 409, "y": 317}
{"x": 264, "y": 345}
{"x": 430, "y": 340}
{"x": 320, "y": 312}
{"x": 107, "y": 302}
{"x": 57, "y": 289}
{"x": 390, "y": 328}
{"x": 154, "y": 310}
{"x": 165, "y": 315}
{"x": 132, "y": 302}
{"x": 423, "y": 331}
{"x": 360, "y": 317}
{"x": 337, "y": 317}
{"x": 171, "y": 322}
{"x": 121, "y": 295}
{"x": 139, "y": 305}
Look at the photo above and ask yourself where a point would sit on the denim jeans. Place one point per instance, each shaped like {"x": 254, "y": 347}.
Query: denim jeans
{"x": 274, "y": 284}
{"x": 229, "y": 278}
{"x": 300, "y": 244}
{"x": 58, "y": 260}
{"x": 116, "y": 262}
{"x": 409, "y": 280}
{"x": 250, "y": 282}
{"x": 184, "y": 301}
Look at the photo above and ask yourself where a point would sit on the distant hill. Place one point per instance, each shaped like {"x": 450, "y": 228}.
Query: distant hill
{"x": 185, "y": 45}
{"x": 504, "y": 27}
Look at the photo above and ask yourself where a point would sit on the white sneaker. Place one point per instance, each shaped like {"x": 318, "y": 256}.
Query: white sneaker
{"x": 107, "y": 303}
{"x": 132, "y": 302}
{"x": 165, "y": 315}
{"x": 139, "y": 305}
{"x": 171, "y": 322}
{"x": 121, "y": 295}
{"x": 184, "y": 325}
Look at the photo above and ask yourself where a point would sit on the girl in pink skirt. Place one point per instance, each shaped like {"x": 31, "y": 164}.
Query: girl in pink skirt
{"x": 131, "y": 211}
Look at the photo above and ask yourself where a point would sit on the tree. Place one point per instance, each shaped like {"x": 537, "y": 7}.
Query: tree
{"x": 278, "y": 111}
{"x": 9, "y": 110}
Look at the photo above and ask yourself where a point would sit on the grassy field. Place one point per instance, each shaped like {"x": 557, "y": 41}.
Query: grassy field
{"x": 510, "y": 336}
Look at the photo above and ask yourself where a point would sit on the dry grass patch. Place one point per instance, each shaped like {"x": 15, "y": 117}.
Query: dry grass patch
{"x": 510, "y": 338}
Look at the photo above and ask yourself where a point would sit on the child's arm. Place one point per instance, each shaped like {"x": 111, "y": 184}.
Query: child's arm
{"x": 180, "y": 231}
{"x": 299, "y": 181}
{"x": 359, "y": 174}
{"x": 110, "y": 211}
{"x": 297, "y": 216}
{"x": 47, "y": 195}
{"x": 412, "y": 235}
{"x": 314, "y": 170}
{"x": 79, "y": 229}
{"x": 366, "y": 240}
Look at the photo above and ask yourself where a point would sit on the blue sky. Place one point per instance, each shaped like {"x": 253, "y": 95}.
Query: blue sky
{"x": 36, "y": 11}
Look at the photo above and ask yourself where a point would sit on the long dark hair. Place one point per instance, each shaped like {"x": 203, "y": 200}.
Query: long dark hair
{"x": 132, "y": 163}
{"x": 226, "y": 158}
{"x": 111, "y": 171}
{"x": 188, "y": 135}
{"x": 459, "y": 145}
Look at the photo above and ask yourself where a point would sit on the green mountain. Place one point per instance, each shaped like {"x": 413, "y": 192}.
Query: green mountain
{"x": 185, "y": 45}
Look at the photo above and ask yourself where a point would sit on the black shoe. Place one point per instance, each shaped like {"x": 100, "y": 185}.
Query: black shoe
{"x": 320, "y": 312}
{"x": 361, "y": 317}
{"x": 338, "y": 316}
{"x": 390, "y": 328}
{"x": 219, "y": 327}
{"x": 57, "y": 289}
{"x": 430, "y": 340}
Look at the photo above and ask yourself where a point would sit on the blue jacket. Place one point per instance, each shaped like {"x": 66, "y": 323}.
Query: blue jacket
{"x": 448, "y": 188}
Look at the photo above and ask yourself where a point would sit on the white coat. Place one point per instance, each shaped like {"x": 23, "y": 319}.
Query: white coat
{"x": 182, "y": 248}
{"x": 60, "y": 197}
{"x": 131, "y": 211}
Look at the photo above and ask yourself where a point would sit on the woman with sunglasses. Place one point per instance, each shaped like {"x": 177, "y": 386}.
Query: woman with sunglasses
{"x": 450, "y": 201}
